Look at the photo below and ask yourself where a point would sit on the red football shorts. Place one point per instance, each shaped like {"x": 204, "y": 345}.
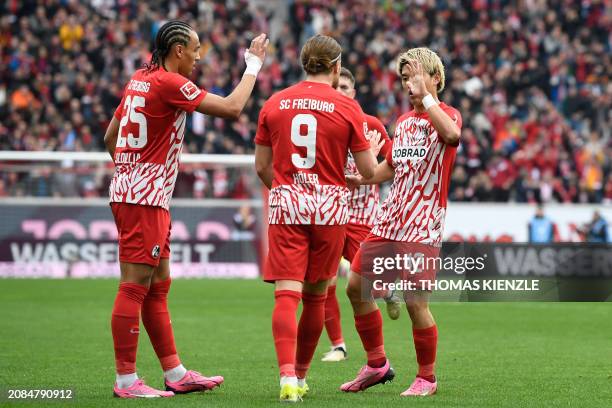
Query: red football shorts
{"x": 308, "y": 253}
{"x": 387, "y": 261}
{"x": 144, "y": 233}
{"x": 355, "y": 235}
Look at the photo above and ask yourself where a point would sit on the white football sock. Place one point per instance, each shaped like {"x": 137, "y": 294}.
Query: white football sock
{"x": 176, "y": 373}
{"x": 288, "y": 380}
{"x": 301, "y": 382}
{"x": 339, "y": 345}
{"x": 126, "y": 380}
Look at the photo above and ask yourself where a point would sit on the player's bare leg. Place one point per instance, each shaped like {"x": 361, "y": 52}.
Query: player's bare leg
{"x": 425, "y": 335}
{"x": 361, "y": 303}
{"x": 332, "y": 324}
{"x": 287, "y": 295}
{"x": 417, "y": 304}
{"x": 125, "y": 324}
{"x": 368, "y": 322}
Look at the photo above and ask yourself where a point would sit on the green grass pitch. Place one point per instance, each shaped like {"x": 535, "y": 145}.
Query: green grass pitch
{"x": 56, "y": 334}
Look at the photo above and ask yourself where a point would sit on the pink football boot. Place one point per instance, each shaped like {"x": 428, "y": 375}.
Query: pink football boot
{"x": 194, "y": 382}
{"x": 421, "y": 387}
{"x": 140, "y": 390}
{"x": 368, "y": 377}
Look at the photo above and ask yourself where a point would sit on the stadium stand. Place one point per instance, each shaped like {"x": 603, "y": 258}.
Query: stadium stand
{"x": 532, "y": 80}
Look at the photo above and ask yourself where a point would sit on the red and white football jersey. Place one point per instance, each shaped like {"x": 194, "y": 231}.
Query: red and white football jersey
{"x": 416, "y": 205}
{"x": 310, "y": 127}
{"x": 363, "y": 201}
{"x": 152, "y": 117}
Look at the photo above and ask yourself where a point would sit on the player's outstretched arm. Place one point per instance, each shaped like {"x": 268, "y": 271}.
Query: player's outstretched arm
{"x": 382, "y": 173}
{"x": 110, "y": 137}
{"x": 231, "y": 106}
{"x": 263, "y": 164}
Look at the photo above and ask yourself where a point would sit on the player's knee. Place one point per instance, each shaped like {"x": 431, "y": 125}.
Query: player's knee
{"x": 353, "y": 292}
{"x": 138, "y": 278}
{"x": 141, "y": 280}
{"x": 416, "y": 308}
{"x": 137, "y": 273}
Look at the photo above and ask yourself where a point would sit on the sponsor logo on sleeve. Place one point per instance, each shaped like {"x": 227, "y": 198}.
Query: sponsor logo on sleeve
{"x": 190, "y": 91}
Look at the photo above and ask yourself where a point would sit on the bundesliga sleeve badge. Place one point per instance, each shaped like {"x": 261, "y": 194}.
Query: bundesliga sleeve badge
{"x": 190, "y": 91}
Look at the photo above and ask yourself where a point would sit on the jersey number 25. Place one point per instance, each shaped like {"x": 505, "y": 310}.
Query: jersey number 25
{"x": 308, "y": 140}
{"x": 131, "y": 115}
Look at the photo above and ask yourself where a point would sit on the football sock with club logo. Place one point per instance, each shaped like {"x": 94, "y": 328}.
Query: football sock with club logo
{"x": 156, "y": 319}
{"x": 425, "y": 345}
{"x": 369, "y": 327}
{"x": 332, "y": 317}
{"x": 125, "y": 325}
{"x": 309, "y": 331}
{"x": 284, "y": 329}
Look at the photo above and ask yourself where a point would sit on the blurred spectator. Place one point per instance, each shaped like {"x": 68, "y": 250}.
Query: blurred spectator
{"x": 70, "y": 33}
{"x": 3, "y": 192}
{"x": 541, "y": 229}
{"x": 597, "y": 229}
{"x": 244, "y": 224}
{"x": 22, "y": 98}
{"x": 532, "y": 79}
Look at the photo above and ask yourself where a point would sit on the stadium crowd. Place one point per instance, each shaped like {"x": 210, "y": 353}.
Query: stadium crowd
{"x": 531, "y": 79}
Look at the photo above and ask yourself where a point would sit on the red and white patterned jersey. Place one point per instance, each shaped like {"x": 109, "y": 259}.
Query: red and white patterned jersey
{"x": 363, "y": 201}
{"x": 416, "y": 205}
{"x": 310, "y": 127}
{"x": 151, "y": 117}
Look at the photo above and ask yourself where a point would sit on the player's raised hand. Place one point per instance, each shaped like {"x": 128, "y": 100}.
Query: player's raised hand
{"x": 256, "y": 54}
{"x": 416, "y": 83}
{"x": 259, "y": 46}
{"x": 352, "y": 182}
{"x": 376, "y": 141}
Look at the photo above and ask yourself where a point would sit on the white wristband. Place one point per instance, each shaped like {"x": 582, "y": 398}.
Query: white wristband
{"x": 429, "y": 101}
{"x": 253, "y": 63}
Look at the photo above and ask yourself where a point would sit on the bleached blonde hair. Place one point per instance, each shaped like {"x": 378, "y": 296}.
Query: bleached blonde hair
{"x": 431, "y": 63}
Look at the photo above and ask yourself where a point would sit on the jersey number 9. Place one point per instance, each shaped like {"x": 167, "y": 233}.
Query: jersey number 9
{"x": 131, "y": 115}
{"x": 308, "y": 140}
